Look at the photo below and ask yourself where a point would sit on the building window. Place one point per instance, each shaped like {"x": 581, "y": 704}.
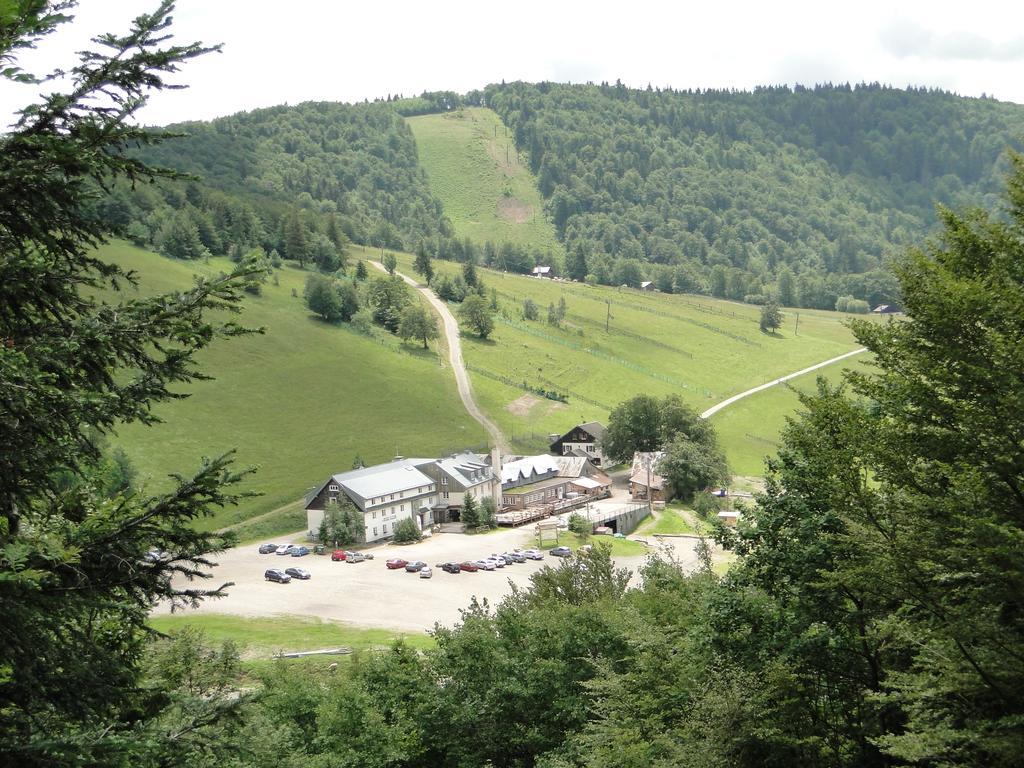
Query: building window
{"x": 385, "y": 530}
{"x": 446, "y": 494}
{"x": 401, "y": 507}
{"x": 374, "y": 531}
{"x": 375, "y": 515}
{"x": 335, "y": 489}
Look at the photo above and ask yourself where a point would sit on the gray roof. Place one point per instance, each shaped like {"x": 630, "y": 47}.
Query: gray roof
{"x": 367, "y": 483}
{"x": 462, "y": 468}
{"x": 528, "y": 466}
{"x": 571, "y": 466}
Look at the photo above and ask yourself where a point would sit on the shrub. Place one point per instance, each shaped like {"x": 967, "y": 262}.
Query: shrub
{"x": 406, "y": 531}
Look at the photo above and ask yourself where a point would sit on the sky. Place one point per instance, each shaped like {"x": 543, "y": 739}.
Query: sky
{"x": 301, "y": 50}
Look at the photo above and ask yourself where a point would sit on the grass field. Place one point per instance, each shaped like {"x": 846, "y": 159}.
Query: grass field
{"x": 258, "y": 640}
{"x": 487, "y": 191}
{"x": 299, "y": 401}
{"x": 703, "y": 349}
{"x": 750, "y": 428}
{"x": 674, "y": 519}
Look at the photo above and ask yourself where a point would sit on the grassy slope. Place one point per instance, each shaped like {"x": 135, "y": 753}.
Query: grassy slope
{"x": 300, "y": 401}
{"x": 751, "y": 427}
{"x": 704, "y": 349}
{"x": 486, "y": 196}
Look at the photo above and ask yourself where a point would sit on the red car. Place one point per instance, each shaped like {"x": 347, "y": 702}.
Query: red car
{"x": 468, "y": 566}
{"x": 396, "y": 563}
{"x": 338, "y": 554}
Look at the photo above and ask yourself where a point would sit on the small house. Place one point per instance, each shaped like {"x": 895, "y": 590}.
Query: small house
{"x": 645, "y": 484}
{"x": 647, "y": 285}
{"x": 542, "y": 271}
{"x": 531, "y": 481}
{"x": 584, "y": 478}
{"x": 582, "y": 440}
{"x": 886, "y": 309}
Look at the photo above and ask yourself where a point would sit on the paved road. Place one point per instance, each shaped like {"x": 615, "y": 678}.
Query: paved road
{"x": 451, "y": 333}
{"x": 725, "y": 403}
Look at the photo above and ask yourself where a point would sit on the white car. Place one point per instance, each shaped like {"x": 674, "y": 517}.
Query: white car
{"x": 485, "y": 565}
{"x": 497, "y": 561}
{"x": 426, "y": 573}
{"x": 533, "y": 554}
{"x": 285, "y": 549}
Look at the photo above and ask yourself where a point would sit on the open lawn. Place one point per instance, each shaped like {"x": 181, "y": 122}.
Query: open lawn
{"x": 259, "y": 639}
{"x": 674, "y": 519}
{"x": 300, "y": 401}
{"x": 616, "y": 343}
{"x": 750, "y": 429}
{"x": 487, "y": 190}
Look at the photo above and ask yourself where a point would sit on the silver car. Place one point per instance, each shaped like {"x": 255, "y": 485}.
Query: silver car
{"x": 485, "y": 565}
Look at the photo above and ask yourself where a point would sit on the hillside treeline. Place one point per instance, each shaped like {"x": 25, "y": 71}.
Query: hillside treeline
{"x": 799, "y": 194}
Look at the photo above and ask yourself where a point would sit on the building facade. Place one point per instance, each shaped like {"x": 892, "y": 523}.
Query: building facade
{"x": 385, "y": 494}
{"x": 582, "y": 440}
{"x": 454, "y": 477}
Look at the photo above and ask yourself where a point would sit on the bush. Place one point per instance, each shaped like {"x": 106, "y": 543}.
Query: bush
{"x": 579, "y": 525}
{"x": 406, "y": 531}
{"x": 706, "y": 506}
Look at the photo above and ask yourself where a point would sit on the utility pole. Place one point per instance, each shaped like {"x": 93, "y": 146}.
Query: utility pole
{"x": 796, "y": 332}
{"x": 608, "y": 317}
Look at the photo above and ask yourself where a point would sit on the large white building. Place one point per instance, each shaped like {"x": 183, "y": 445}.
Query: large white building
{"x": 384, "y": 493}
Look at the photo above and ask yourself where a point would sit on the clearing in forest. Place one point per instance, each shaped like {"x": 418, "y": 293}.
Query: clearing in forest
{"x": 485, "y": 184}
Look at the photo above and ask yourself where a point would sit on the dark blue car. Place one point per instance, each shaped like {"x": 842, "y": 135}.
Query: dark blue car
{"x": 300, "y": 551}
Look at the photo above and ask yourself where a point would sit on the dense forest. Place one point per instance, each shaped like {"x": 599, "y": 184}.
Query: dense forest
{"x": 797, "y": 196}
{"x": 802, "y": 193}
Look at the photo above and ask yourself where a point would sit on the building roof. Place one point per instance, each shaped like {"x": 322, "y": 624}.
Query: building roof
{"x": 367, "y": 483}
{"x": 528, "y": 466}
{"x": 587, "y": 482}
{"x": 467, "y": 469}
{"x": 646, "y": 284}
{"x": 593, "y": 428}
{"x": 540, "y": 270}
{"x": 641, "y": 463}
{"x": 571, "y": 466}
{"x": 540, "y": 485}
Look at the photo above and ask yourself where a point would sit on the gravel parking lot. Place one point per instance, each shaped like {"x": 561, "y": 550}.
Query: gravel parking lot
{"x": 368, "y": 594}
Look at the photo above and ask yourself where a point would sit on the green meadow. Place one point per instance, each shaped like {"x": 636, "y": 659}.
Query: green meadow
{"x": 299, "y": 402}
{"x": 616, "y": 343}
{"x": 260, "y": 640}
{"x": 750, "y": 428}
{"x": 487, "y": 190}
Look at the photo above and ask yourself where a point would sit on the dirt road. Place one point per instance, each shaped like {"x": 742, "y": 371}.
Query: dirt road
{"x": 725, "y": 403}
{"x": 451, "y": 333}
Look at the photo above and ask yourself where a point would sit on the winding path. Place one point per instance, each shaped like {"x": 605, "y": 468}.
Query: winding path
{"x": 451, "y": 334}
{"x": 725, "y": 403}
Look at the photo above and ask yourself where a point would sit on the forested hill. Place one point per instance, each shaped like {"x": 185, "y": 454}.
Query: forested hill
{"x": 794, "y": 195}
{"x": 358, "y": 160}
{"x": 800, "y": 193}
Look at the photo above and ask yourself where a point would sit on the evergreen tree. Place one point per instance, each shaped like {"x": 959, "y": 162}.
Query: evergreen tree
{"x": 530, "y": 310}
{"x": 576, "y": 264}
{"x": 469, "y": 514}
{"x": 361, "y": 273}
{"x": 296, "y": 245}
{"x": 76, "y": 580}
{"x": 422, "y": 263}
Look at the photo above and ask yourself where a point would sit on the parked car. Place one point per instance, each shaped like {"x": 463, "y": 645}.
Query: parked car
{"x": 266, "y": 549}
{"x": 338, "y": 554}
{"x": 451, "y": 567}
{"x": 368, "y": 555}
{"x": 298, "y": 573}
{"x": 300, "y": 551}
{"x": 415, "y": 565}
{"x": 533, "y": 554}
{"x": 561, "y": 552}
{"x": 285, "y": 549}
{"x": 276, "y": 574}
{"x": 355, "y": 557}
{"x": 485, "y": 565}
{"x": 395, "y": 563}
{"x": 426, "y": 573}
{"x": 469, "y": 566}
{"x": 157, "y": 556}
{"x": 499, "y": 562}
{"x": 517, "y": 557}
{"x": 507, "y": 559}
